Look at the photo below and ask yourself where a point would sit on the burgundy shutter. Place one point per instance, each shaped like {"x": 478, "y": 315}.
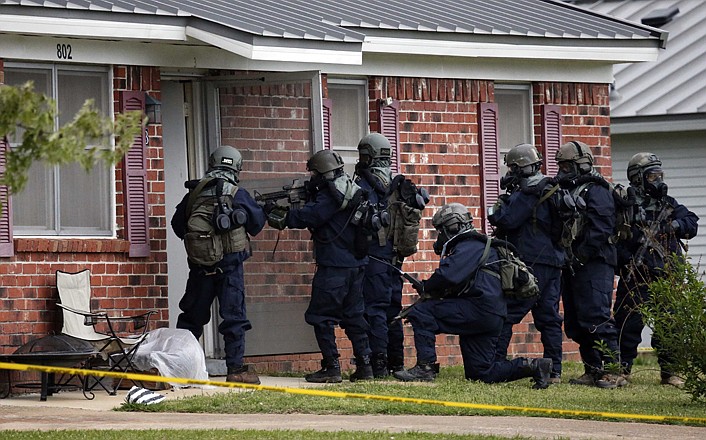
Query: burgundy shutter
{"x": 135, "y": 182}
{"x": 389, "y": 123}
{"x": 7, "y": 248}
{"x": 551, "y": 137}
{"x": 326, "y": 105}
{"x": 490, "y": 158}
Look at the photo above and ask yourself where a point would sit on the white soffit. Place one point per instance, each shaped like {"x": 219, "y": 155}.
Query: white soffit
{"x": 619, "y": 54}
{"x": 277, "y": 53}
{"x": 73, "y": 27}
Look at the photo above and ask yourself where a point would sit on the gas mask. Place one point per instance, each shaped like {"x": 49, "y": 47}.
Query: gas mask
{"x": 569, "y": 170}
{"x": 441, "y": 239}
{"x": 511, "y": 180}
{"x": 653, "y": 182}
{"x": 444, "y": 234}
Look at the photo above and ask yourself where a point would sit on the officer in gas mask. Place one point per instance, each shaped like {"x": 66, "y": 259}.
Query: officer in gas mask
{"x": 373, "y": 175}
{"x": 216, "y": 220}
{"x": 462, "y": 299}
{"x": 336, "y": 291}
{"x": 526, "y": 217}
{"x": 587, "y": 282}
{"x": 658, "y": 225}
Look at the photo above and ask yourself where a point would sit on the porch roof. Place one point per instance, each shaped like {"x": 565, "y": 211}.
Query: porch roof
{"x": 341, "y": 31}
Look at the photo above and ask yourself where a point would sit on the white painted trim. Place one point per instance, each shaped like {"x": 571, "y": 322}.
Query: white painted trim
{"x": 656, "y": 126}
{"x": 516, "y": 51}
{"x": 73, "y": 27}
{"x": 276, "y": 53}
{"x": 197, "y": 56}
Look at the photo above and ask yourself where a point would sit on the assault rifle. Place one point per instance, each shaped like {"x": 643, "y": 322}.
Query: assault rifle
{"x": 418, "y": 286}
{"x": 295, "y": 194}
{"x": 649, "y": 236}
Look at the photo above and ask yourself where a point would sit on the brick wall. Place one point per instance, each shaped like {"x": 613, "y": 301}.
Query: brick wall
{"x": 28, "y": 294}
{"x": 438, "y": 148}
{"x": 270, "y": 125}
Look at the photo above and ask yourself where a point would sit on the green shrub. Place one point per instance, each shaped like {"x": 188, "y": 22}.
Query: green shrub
{"x": 676, "y": 312}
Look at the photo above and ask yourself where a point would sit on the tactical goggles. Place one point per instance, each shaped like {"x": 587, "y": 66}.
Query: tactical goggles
{"x": 654, "y": 175}
{"x": 566, "y": 166}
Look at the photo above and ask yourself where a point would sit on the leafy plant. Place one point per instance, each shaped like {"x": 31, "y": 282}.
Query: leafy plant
{"x": 612, "y": 367}
{"x": 676, "y": 312}
{"x": 31, "y": 115}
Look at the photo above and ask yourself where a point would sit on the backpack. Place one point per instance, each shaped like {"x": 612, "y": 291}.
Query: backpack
{"x": 624, "y": 200}
{"x": 516, "y": 278}
{"x": 202, "y": 242}
{"x": 405, "y": 205}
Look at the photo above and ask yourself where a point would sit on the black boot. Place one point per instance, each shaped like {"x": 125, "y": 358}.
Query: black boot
{"x": 424, "y": 372}
{"x": 541, "y": 369}
{"x": 379, "y": 363}
{"x": 363, "y": 369}
{"x": 330, "y": 372}
{"x": 395, "y": 364}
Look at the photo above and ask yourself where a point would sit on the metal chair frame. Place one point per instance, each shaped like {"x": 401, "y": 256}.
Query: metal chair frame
{"x": 114, "y": 346}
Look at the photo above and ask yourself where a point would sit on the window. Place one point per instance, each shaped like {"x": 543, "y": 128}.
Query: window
{"x": 65, "y": 200}
{"x": 349, "y": 118}
{"x": 514, "y": 118}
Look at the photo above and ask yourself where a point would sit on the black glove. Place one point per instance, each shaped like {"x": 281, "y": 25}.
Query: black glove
{"x": 419, "y": 287}
{"x": 277, "y": 218}
{"x": 268, "y": 206}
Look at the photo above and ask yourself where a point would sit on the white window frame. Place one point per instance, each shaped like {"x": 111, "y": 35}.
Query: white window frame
{"x": 110, "y": 232}
{"x": 504, "y": 141}
{"x": 349, "y": 153}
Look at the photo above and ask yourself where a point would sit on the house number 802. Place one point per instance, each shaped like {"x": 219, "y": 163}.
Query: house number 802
{"x": 63, "y": 51}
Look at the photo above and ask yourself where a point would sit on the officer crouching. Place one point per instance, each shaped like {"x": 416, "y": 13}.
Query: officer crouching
{"x": 466, "y": 301}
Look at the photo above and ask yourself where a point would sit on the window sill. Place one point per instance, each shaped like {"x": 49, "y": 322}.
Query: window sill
{"x": 72, "y": 245}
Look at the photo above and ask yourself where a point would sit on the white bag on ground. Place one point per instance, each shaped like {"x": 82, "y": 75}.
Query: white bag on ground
{"x": 174, "y": 353}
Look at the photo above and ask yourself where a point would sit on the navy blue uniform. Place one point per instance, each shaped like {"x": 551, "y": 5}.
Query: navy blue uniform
{"x": 587, "y": 289}
{"x": 528, "y": 226}
{"x": 379, "y": 277}
{"x": 336, "y": 293}
{"x": 395, "y": 330}
{"x": 224, "y": 281}
{"x": 633, "y": 288}
{"x": 477, "y": 316}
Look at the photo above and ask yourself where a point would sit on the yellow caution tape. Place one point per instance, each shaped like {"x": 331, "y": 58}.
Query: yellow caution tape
{"x": 338, "y": 394}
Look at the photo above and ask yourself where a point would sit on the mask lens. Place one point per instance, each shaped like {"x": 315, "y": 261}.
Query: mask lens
{"x": 654, "y": 176}
{"x": 566, "y": 167}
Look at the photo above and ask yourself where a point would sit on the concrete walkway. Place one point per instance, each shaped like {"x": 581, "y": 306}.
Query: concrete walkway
{"x": 70, "y": 410}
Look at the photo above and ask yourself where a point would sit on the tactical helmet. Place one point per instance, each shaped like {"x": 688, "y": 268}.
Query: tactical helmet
{"x": 375, "y": 145}
{"x": 324, "y": 161}
{"x": 522, "y": 155}
{"x": 645, "y": 170}
{"x": 639, "y": 164}
{"x": 226, "y": 157}
{"x": 575, "y": 151}
{"x": 453, "y": 217}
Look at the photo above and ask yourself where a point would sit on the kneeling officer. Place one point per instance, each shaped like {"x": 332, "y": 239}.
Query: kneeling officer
{"x": 466, "y": 301}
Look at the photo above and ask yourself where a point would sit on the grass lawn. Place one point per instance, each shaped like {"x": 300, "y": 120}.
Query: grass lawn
{"x": 644, "y": 396}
